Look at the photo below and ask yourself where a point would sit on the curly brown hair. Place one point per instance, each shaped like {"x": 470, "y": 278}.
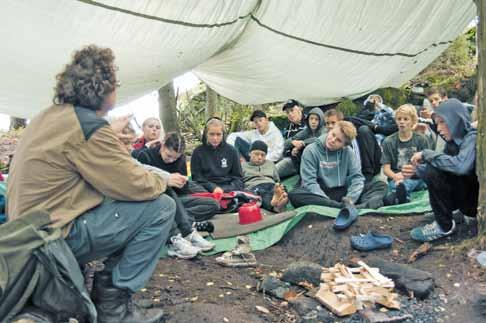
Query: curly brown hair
{"x": 88, "y": 79}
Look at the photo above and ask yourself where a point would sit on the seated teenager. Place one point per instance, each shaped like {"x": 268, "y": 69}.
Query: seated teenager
{"x": 151, "y": 128}
{"x": 260, "y": 177}
{"x": 367, "y": 151}
{"x": 215, "y": 165}
{"x": 170, "y": 158}
{"x": 398, "y": 150}
{"x": 450, "y": 175}
{"x": 265, "y": 131}
{"x": 293, "y": 147}
{"x": 296, "y": 118}
{"x": 377, "y": 116}
{"x": 331, "y": 174}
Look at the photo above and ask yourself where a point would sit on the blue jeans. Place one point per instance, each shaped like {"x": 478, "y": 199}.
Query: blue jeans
{"x": 130, "y": 234}
{"x": 243, "y": 147}
{"x": 411, "y": 185}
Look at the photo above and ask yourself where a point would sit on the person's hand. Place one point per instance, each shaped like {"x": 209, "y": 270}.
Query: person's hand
{"x": 218, "y": 193}
{"x": 119, "y": 123}
{"x": 298, "y": 143}
{"x": 295, "y": 151}
{"x": 398, "y": 178}
{"x": 408, "y": 170}
{"x": 474, "y": 124}
{"x": 416, "y": 158}
{"x": 177, "y": 180}
{"x": 426, "y": 113}
{"x": 421, "y": 128}
{"x": 153, "y": 143}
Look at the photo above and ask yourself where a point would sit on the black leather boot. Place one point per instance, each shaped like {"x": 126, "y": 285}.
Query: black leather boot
{"x": 115, "y": 305}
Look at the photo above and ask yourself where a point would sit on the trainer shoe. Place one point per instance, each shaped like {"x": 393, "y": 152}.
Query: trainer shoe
{"x": 431, "y": 231}
{"x": 195, "y": 239}
{"x": 181, "y": 248}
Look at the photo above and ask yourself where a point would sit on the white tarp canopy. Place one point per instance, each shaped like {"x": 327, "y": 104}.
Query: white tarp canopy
{"x": 251, "y": 51}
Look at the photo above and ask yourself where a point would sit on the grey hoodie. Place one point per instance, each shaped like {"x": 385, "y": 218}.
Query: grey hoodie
{"x": 459, "y": 154}
{"x": 307, "y": 134}
{"x": 331, "y": 168}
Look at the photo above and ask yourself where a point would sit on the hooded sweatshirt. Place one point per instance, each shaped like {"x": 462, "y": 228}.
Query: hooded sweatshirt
{"x": 459, "y": 154}
{"x": 338, "y": 168}
{"x": 216, "y": 166}
{"x": 307, "y": 134}
{"x": 273, "y": 138}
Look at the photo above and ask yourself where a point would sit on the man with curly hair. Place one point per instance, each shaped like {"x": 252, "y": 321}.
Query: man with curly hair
{"x": 71, "y": 163}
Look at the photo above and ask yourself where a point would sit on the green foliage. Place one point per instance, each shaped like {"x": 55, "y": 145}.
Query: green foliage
{"x": 455, "y": 64}
{"x": 394, "y": 97}
{"x": 348, "y": 107}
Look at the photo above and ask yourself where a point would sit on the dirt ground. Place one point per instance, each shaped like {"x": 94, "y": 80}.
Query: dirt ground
{"x": 200, "y": 290}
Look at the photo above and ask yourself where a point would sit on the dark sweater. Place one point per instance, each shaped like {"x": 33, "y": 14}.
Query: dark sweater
{"x": 151, "y": 156}
{"x": 212, "y": 167}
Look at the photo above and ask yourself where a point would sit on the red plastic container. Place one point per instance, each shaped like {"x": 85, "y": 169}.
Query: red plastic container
{"x": 249, "y": 213}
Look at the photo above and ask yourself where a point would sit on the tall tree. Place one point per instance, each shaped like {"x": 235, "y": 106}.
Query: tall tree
{"x": 16, "y": 123}
{"x": 481, "y": 141}
{"x": 211, "y": 102}
{"x": 168, "y": 108}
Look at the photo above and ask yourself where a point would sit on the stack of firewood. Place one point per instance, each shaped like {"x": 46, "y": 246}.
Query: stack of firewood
{"x": 346, "y": 290}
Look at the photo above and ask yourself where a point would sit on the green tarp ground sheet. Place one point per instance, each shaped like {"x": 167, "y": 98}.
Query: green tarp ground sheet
{"x": 267, "y": 237}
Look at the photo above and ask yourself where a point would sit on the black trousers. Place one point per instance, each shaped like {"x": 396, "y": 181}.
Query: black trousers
{"x": 449, "y": 192}
{"x": 371, "y": 197}
{"x": 265, "y": 191}
{"x": 369, "y": 152}
{"x": 190, "y": 209}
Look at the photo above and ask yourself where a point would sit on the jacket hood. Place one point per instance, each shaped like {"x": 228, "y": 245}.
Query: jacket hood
{"x": 456, "y": 117}
{"x": 318, "y": 112}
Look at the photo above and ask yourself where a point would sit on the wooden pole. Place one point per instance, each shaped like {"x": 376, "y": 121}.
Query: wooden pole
{"x": 481, "y": 139}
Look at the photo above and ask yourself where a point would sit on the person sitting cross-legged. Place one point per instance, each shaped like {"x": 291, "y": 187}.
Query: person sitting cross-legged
{"x": 261, "y": 177}
{"x": 169, "y": 157}
{"x": 398, "y": 150}
{"x": 265, "y": 131}
{"x": 450, "y": 175}
{"x": 215, "y": 165}
{"x": 331, "y": 174}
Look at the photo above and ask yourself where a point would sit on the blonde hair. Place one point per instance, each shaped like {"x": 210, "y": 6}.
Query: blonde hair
{"x": 146, "y": 121}
{"x": 408, "y": 110}
{"x": 348, "y": 130}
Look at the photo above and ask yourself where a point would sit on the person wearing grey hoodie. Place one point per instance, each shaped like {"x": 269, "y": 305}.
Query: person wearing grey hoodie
{"x": 450, "y": 175}
{"x": 294, "y": 146}
{"x": 331, "y": 174}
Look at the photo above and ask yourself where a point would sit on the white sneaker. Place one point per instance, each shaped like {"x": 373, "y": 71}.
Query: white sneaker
{"x": 197, "y": 241}
{"x": 181, "y": 248}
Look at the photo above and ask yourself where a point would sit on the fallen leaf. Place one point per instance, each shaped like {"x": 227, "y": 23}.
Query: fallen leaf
{"x": 228, "y": 293}
{"x": 229, "y": 283}
{"x": 225, "y": 319}
{"x": 248, "y": 286}
{"x": 194, "y": 299}
{"x": 143, "y": 290}
{"x": 221, "y": 295}
{"x": 262, "y": 309}
{"x": 209, "y": 284}
{"x": 284, "y": 304}
{"x": 310, "y": 226}
{"x": 420, "y": 251}
{"x": 290, "y": 295}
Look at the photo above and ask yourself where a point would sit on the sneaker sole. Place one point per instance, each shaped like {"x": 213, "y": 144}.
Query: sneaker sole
{"x": 175, "y": 254}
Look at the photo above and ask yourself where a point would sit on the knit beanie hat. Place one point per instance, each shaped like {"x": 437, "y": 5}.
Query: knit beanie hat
{"x": 259, "y": 145}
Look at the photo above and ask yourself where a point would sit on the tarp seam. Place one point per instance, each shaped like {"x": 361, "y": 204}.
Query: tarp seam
{"x": 343, "y": 49}
{"x": 169, "y": 21}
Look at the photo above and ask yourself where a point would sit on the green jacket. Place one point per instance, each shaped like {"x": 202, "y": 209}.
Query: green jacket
{"x": 36, "y": 263}
{"x": 254, "y": 175}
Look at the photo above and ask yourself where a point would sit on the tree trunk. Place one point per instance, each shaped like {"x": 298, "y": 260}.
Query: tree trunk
{"x": 211, "y": 103}
{"x": 167, "y": 108}
{"x": 16, "y": 123}
{"x": 481, "y": 141}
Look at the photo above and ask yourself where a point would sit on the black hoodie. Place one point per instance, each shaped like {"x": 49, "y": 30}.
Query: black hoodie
{"x": 218, "y": 166}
